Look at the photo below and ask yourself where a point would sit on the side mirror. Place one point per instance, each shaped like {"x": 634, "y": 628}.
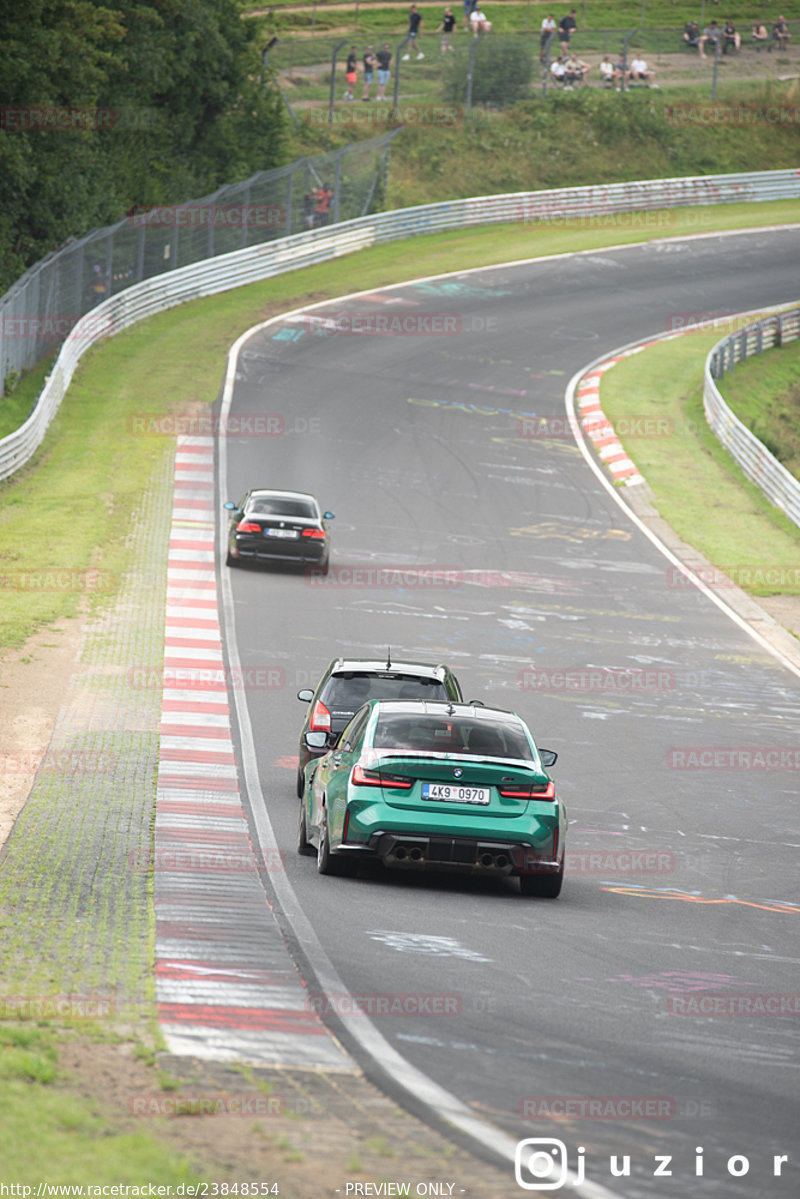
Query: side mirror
{"x": 230, "y": 506}
{"x": 317, "y": 741}
{"x": 305, "y": 695}
{"x": 328, "y": 515}
{"x": 549, "y": 757}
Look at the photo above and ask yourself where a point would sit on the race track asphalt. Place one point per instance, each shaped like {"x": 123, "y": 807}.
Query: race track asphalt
{"x": 563, "y": 1017}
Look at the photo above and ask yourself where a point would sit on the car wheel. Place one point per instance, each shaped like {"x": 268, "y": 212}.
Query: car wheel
{"x": 230, "y": 561}
{"x": 327, "y": 862}
{"x": 326, "y": 566}
{"x": 303, "y": 846}
{"x": 301, "y": 783}
{"x": 543, "y": 886}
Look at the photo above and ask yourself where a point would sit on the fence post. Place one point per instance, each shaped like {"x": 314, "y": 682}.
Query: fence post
{"x": 404, "y": 42}
{"x": 289, "y": 186}
{"x": 546, "y": 76}
{"x": 337, "y": 184}
{"x": 625, "y": 45}
{"x": 334, "y": 56}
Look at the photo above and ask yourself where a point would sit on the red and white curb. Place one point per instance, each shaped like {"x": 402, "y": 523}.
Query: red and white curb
{"x": 226, "y": 987}
{"x": 597, "y": 426}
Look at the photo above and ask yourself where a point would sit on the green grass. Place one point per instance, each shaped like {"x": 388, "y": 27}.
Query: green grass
{"x": 90, "y": 473}
{"x": 49, "y": 1128}
{"x": 698, "y": 487}
{"x": 764, "y": 392}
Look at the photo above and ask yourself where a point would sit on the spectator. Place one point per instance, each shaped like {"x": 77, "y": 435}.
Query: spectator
{"x": 576, "y": 71}
{"x": 609, "y": 73}
{"x": 447, "y": 27}
{"x": 309, "y": 202}
{"x": 711, "y": 35}
{"x": 566, "y": 27}
{"x": 759, "y": 34}
{"x": 548, "y": 28}
{"x": 384, "y": 57}
{"x": 478, "y": 21}
{"x": 558, "y": 71}
{"x": 322, "y": 205}
{"x": 414, "y": 26}
{"x": 781, "y": 34}
{"x": 369, "y": 72}
{"x": 468, "y": 7}
{"x": 730, "y": 35}
{"x": 691, "y": 33}
{"x": 351, "y": 73}
{"x": 638, "y": 72}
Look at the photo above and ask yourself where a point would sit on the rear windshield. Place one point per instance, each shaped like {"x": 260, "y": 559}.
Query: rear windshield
{"x": 270, "y": 506}
{"x": 345, "y": 693}
{"x": 459, "y": 735}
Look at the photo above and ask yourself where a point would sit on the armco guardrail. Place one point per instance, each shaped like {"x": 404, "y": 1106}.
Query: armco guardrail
{"x": 591, "y": 206}
{"x": 779, "y": 486}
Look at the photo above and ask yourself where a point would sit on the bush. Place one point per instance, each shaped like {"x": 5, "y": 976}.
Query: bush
{"x": 501, "y": 73}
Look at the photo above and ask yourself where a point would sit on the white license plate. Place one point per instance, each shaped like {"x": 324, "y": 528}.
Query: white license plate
{"x": 288, "y": 534}
{"x": 454, "y": 794}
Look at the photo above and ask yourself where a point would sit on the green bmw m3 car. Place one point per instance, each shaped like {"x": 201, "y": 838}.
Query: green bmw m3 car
{"x": 421, "y": 785}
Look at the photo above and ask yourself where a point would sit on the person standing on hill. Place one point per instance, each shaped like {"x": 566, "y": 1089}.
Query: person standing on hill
{"x": 369, "y": 72}
{"x": 351, "y": 73}
{"x": 548, "y": 27}
{"x": 384, "y": 57}
{"x": 566, "y": 27}
{"x": 447, "y": 28}
{"x": 414, "y": 26}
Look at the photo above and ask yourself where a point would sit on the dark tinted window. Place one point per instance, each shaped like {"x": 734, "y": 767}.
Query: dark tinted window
{"x": 459, "y": 735}
{"x": 273, "y": 506}
{"x": 345, "y": 693}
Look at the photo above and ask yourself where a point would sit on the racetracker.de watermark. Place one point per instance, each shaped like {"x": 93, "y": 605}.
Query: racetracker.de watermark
{"x": 206, "y": 1105}
{"x": 65, "y": 761}
{"x": 720, "y": 321}
{"x": 656, "y": 219}
{"x": 208, "y": 424}
{"x": 58, "y": 326}
{"x": 566, "y": 427}
{"x": 388, "y": 1004}
{"x": 597, "y": 1107}
{"x": 763, "y": 1004}
{"x": 405, "y": 114}
{"x": 51, "y": 1007}
{"x": 423, "y": 578}
{"x": 384, "y": 324}
{"x": 55, "y": 118}
{"x": 210, "y": 216}
{"x": 737, "y": 115}
{"x": 596, "y": 678}
{"x": 202, "y": 678}
{"x": 782, "y": 578}
{"x": 709, "y": 757}
{"x": 57, "y": 579}
{"x": 210, "y": 861}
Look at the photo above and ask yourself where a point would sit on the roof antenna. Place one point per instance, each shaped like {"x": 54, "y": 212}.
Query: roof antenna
{"x": 389, "y": 657}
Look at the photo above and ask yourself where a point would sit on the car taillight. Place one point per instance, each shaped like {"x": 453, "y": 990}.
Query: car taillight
{"x": 320, "y": 719}
{"x": 318, "y": 533}
{"x": 373, "y": 778}
{"x": 528, "y": 790}
{"x": 248, "y": 526}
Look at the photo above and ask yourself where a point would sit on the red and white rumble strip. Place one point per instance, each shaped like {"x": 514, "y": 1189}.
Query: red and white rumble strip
{"x": 596, "y": 425}
{"x": 226, "y": 987}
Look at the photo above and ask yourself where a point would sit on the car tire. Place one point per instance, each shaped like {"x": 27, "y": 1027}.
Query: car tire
{"x": 326, "y": 566}
{"x": 301, "y": 783}
{"x": 304, "y": 848}
{"x": 229, "y": 561}
{"x": 542, "y": 886}
{"x": 328, "y": 862}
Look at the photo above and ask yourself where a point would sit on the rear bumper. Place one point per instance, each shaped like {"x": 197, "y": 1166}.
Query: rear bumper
{"x": 301, "y": 552}
{"x": 466, "y": 855}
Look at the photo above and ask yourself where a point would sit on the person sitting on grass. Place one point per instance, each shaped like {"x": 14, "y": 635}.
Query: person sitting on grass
{"x": 781, "y": 34}
{"x": 558, "y": 72}
{"x": 609, "y": 73}
{"x": 691, "y": 34}
{"x": 711, "y": 35}
{"x": 576, "y": 70}
{"x": 730, "y": 36}
{"x": 638, "y": 71}
{"x": 759, "y": 34}
{"x": 478, "y": 21}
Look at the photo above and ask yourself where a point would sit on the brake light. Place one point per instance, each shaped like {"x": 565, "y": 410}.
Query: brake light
{"x": 320, "y": 719}
{"x": 528, "y": 790}
{"x": 248, "y": 526}
{"x": 373, "y": 778}
{"x": 319, "y": 534}
{"x": 366, "y": 778}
